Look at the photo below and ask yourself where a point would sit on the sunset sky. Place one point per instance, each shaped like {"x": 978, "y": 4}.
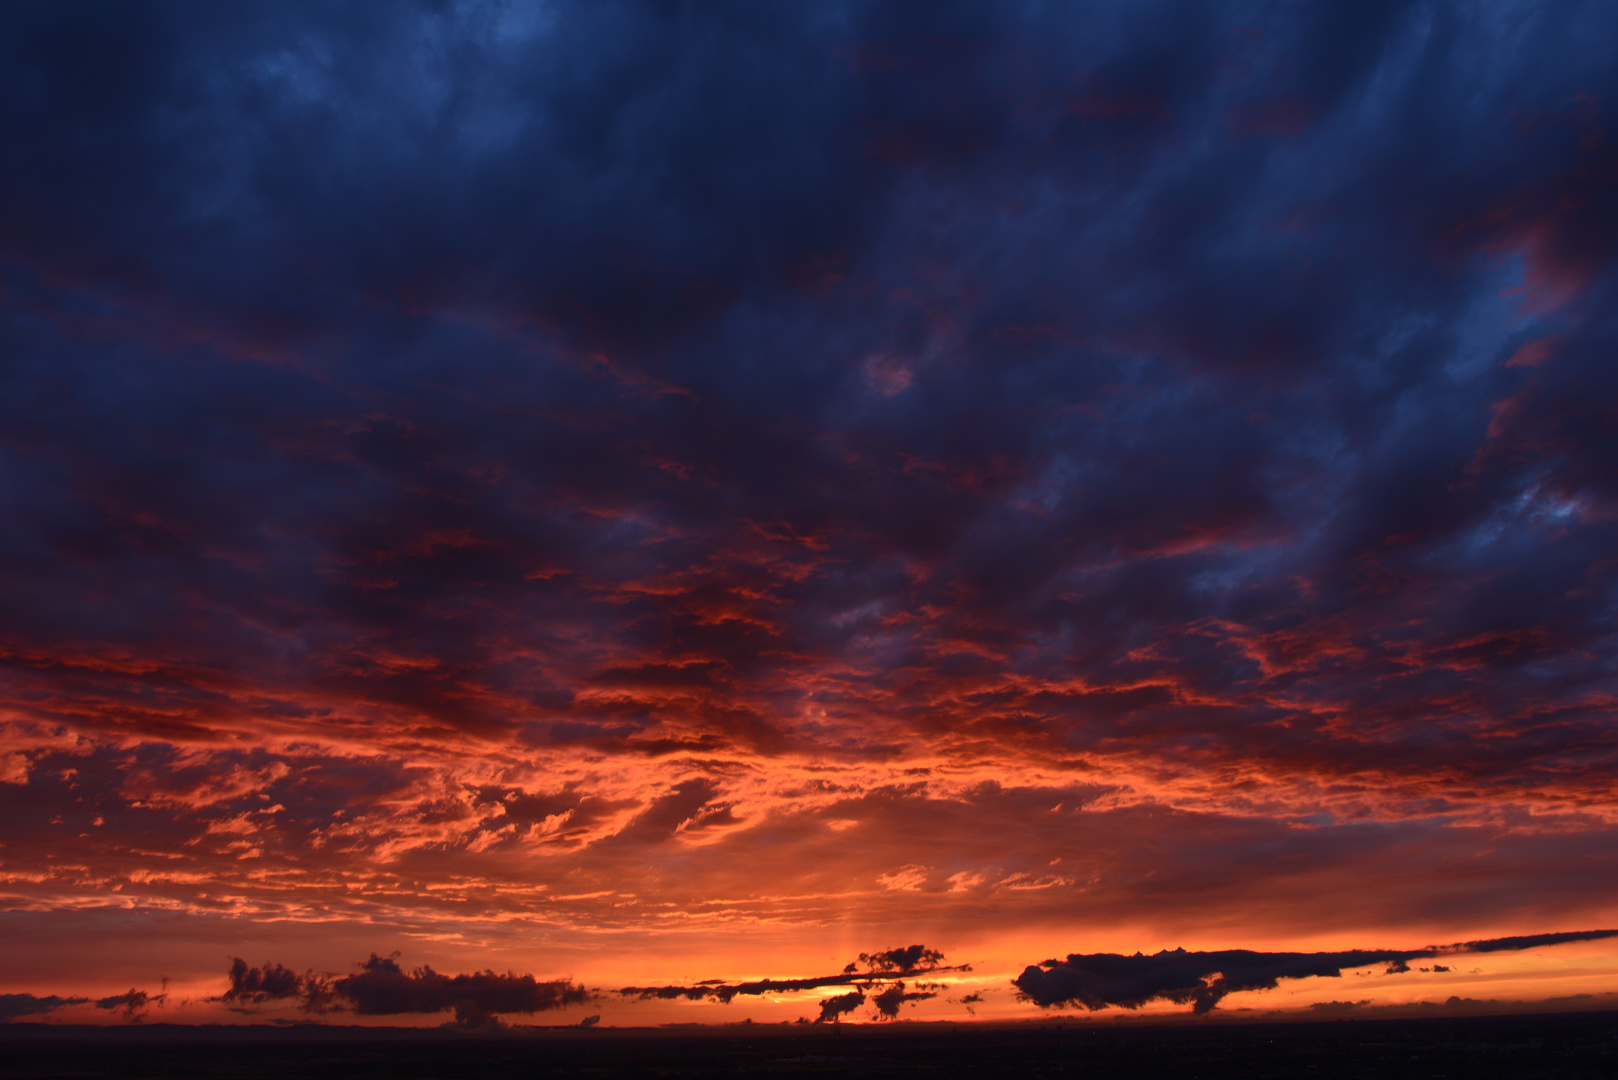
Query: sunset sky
{"x": 660, "y": 495}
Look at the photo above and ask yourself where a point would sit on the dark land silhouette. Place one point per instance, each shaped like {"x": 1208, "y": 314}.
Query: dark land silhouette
{"x": 1571, "y": 1045}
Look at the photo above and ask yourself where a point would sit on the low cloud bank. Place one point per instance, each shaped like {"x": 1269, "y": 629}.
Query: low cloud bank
{"x": 889, "y": 965}
{"x": 132, "y": 1003}
{"x": 889, "y": 1001}
{"x": 1201, "y": 979}
{"x": 382, "y": 988}
{"x": 13, "y": 1006}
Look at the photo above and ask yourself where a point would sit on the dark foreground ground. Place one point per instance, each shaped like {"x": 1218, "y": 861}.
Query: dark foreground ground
{"x": 1560, "y": 1045}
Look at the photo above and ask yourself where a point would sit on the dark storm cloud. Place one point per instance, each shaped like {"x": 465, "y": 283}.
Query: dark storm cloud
{"x": 819, "y": 158}
{"x": 1235, "y": 423}
{"x": 1201, "y": 979}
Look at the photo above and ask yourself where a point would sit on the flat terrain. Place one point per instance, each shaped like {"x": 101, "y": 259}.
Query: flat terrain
{"x": 1558, "y": 1045}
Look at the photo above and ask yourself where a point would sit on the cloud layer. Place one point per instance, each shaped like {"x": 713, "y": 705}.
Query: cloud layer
{"x": 477, "y": 471}
{"x": 382, "y": 988}
{"x": 866, "y": 973}
{"x": 1201, "y": 979}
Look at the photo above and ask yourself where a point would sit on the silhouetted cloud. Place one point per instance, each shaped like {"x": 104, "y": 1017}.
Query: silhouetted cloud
{"x": 13, "y": 1006}
{"x": 254, "y": 986}
{"x": 909, "y": 958}
{"x": 132, "y": 1002}
{"x": 892, "y": 998}
{"x": 383, "y": 988}
{"x": 880, "y": 966}
{"x": 271, "y": 982}
{"x": 1527, "y": 941}
{"x": 1337, "y": 1007}
{"x": 835, "y": 1008}
{"x": 1201, "y": 979}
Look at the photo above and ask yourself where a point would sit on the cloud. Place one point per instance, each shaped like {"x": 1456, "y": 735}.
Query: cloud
{"x": 890, "y": 999}
{"x": 382, "y": 988}
{"x": 251, "y": 986}
{"x": 1528, "y": 941}
{"x": 909, "y": 958}
{"x": 258, "y": 985}
{"x": 835, "y": 1008}
{"x": 879, "y": 966}
{"x": 133, "y": 1003}
{"x": 1201, "y": 979}
{"x": 13, "y": 1006}
{"x": 1337, "y": 1007}
{"x": 465, "y": 467}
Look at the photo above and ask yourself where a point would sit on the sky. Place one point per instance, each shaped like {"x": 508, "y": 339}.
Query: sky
{"x": 629, "y": 496}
